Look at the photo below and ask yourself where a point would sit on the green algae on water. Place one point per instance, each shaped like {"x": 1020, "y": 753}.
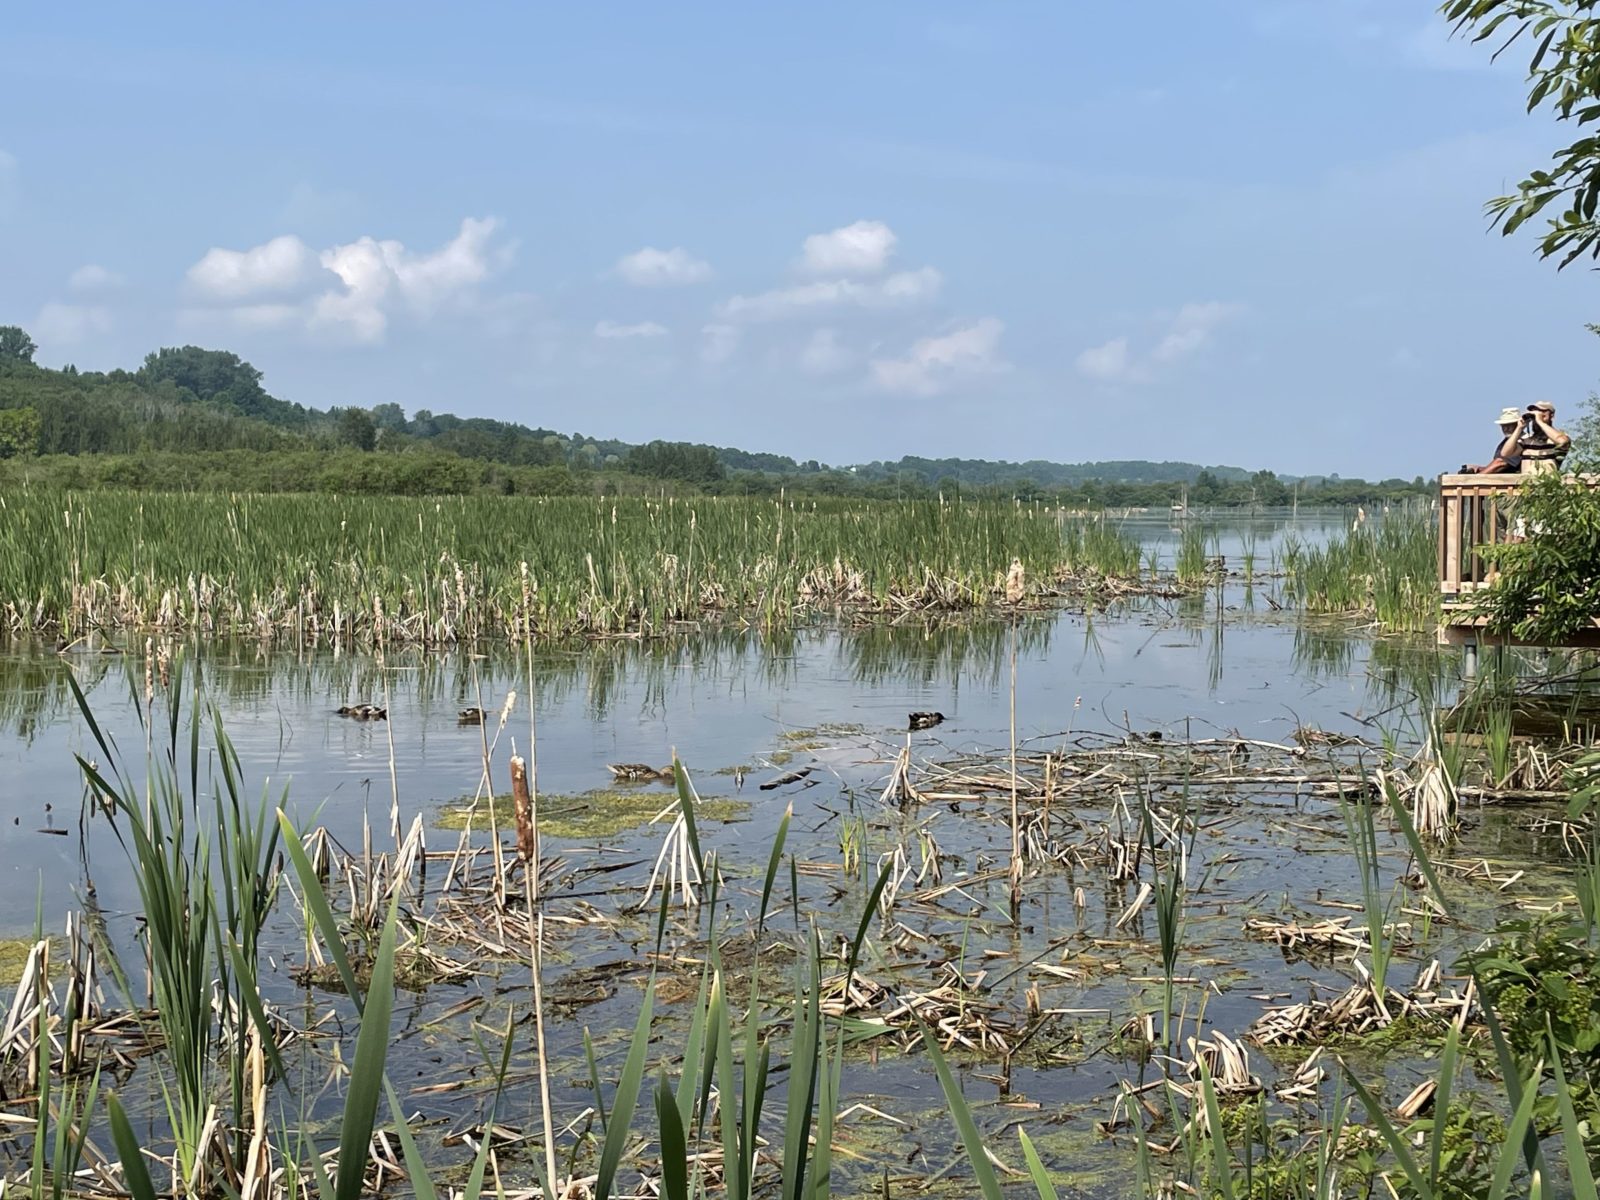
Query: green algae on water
{"x": 602, "y": 813}
{"x": 13, "y": 958}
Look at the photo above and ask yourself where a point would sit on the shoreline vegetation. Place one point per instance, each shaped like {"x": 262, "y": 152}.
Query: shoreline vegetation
{"x": 192, "y": 419}
{"x": 357, "y": 570}
{"x": 1386, "y": 571}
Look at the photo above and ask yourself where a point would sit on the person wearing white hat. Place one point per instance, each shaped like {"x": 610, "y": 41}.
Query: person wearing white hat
{"x": 1543, "y": 445}
{"x": 1507, "y": 458}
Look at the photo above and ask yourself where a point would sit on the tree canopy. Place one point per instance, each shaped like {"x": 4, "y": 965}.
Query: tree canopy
{"x": 196, "y": 418}
{"x": 1563, "y": 77}
{"x": 15, "y": 345}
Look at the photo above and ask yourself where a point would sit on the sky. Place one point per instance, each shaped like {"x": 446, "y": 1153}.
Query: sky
{"x": 1247, "y": 232}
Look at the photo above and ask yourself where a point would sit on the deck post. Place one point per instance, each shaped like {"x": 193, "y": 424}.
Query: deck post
{"x": 1469, "y": 659}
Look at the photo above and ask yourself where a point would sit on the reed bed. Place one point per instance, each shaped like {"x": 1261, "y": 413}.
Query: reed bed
{"x": 1386, "y": 570}
{"x": 348, "y": 570}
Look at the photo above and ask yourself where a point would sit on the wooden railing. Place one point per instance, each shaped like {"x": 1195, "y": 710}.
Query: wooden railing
{"x": 1472, "y": 514}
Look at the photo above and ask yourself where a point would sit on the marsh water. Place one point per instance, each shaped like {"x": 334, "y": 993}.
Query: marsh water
{"x": 741, "y": 708}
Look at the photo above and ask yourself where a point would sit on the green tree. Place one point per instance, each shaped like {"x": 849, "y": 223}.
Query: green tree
{"x": 1564, "y": 77}
{"x": 358, "y": 429}
{"x": 15, "y": 344}
{"x": 390, "y": 418}
{"x": 218, "y": 377}
{"x": 19, "y": 432}
{"x": 677, "y": 460}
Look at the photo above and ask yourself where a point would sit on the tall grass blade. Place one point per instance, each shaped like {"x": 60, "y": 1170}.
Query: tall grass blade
{"x": 627, "y": 1096}
{"x": 1041, "y": 1177}
{"x": 366, "y": 1076}
{"x": 773, "y": 862}
{"x": 961, "y": 1114}
{"x": 1393, "y": 1139}
{"x": 1583, "y": 1181}
{"x": 317, "y": 901}
{"x": 674, "y": 1151}
{"x": 1221, "y": 1157}
{"x": 135, "y": 1175}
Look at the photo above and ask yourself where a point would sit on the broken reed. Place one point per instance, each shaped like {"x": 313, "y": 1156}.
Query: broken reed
{"x": 1386, "y": 569}
{"x": 316, "y": 568}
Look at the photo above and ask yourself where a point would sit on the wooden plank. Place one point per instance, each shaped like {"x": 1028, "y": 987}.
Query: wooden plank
{"x": 1451, "y": 516}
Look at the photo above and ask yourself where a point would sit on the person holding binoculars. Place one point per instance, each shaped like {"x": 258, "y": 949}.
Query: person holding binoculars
{"x": 1529, "y": 444}
{"x": 1543, "y": 445}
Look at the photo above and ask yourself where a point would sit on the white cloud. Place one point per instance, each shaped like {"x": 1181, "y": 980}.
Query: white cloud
{"x": 863, "y": 248}
{"x": 1185, "y": 333}
{"x": 662, "y": 268}
{"x": 719, "y": 343}
{"x": 823, "y": 354}
{"x": 901, "y": 288}
{"x": 1110, "y": 361}
{"x": 65, "y": 324}
{"x": 934, "y": 363}
{"x": 644, "y": 329}
{"x": 284, "y": 264}
{"x": 1192, "y": 328}
{"x": 91, "y": 277}
{"x": 354, "y": 287}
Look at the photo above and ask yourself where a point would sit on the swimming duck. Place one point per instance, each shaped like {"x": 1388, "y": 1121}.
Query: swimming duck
{"x": 926, "y": 720}
{"x": 641, "y": 772}
{"x": 471, "y": 716}
{"x": 363, "y": 712}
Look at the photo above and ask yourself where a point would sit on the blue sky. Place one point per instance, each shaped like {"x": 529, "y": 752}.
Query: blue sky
{"x": 1247, "y": 232}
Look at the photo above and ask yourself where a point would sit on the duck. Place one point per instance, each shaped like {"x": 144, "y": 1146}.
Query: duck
{"x": 363, "y": 712}
{"x": 925, "y": 720}
{"x": 641, "y": 773}
{"x": 471, "y": 716}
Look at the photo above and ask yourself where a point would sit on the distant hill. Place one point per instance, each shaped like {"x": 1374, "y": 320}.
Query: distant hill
{"x": 187, "y": 400}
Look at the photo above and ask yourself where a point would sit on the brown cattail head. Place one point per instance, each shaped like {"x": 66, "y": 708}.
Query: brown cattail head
{"x": 527, "y": 837}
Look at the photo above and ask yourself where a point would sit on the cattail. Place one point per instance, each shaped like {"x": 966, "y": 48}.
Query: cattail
{"x": 527, "y": 836}
{"x": 1016, "y": 582}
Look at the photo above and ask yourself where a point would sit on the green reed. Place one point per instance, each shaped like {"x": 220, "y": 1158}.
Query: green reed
{"x": 1386, "y": 570}
{"x": 206, "y": 881}
{"x": 316, "y": 567}
{"x": 1194, "y": 550}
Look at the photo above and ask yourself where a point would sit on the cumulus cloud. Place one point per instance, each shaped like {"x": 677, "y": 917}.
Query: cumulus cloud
{"x": 933, "y": 364}
{"x": 901, "y": 288}
{"x": 1183, "y": 335}
{"x": 644, "y": 329}
{"x": 662, "y": 268}
{"x": 91, "y": 277}
{"x": 349, "y": 290}
{"x": 1192, "y": 328}
{"x": 824, "y": 354}
{"x": 863, "y": 248}
{"x": 284, "y": 264}
{"x": 1110, "y": 361}
{"x": 719, "y": 342}
{"x": 67, "y": 324}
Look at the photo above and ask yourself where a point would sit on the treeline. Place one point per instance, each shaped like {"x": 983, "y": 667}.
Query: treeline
{"x": 196, "y": 419}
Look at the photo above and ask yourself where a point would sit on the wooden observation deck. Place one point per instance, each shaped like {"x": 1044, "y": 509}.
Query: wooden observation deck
{"x": 1473, "y": 513}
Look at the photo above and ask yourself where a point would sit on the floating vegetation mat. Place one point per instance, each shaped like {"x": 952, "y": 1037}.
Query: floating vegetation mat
{"x": 589, "y": 816}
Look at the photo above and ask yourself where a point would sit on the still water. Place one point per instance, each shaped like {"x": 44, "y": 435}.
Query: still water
{"x": 743, "y": 708}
